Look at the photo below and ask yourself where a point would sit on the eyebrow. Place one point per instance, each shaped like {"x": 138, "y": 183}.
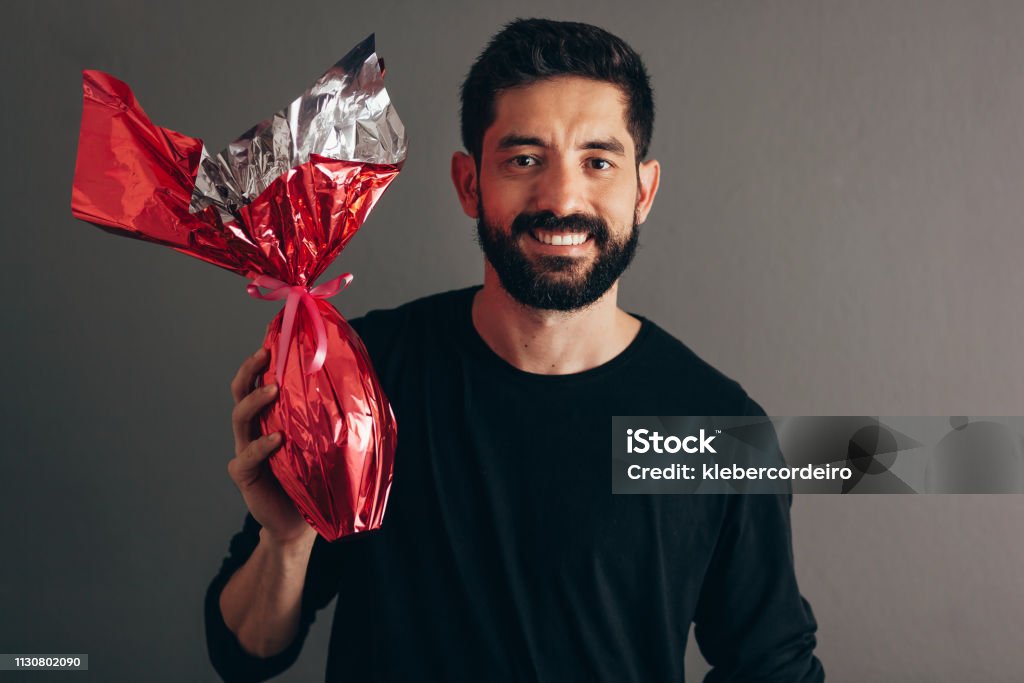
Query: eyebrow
{"x": 611, "y": 144}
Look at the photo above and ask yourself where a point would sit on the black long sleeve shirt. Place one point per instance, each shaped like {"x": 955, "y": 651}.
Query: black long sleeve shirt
{"x": 503, "y": 555}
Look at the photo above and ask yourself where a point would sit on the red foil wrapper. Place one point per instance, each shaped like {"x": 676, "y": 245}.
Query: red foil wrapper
{"x": 340, "y": 434}
{"x": 276, "y": 206}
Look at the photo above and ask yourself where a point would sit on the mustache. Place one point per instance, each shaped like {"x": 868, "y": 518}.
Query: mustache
{"x": 577, "y": 222}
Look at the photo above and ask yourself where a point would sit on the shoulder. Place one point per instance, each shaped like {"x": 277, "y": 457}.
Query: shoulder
{"x": 381, "y": 329}
{"x": 684, "y": 373}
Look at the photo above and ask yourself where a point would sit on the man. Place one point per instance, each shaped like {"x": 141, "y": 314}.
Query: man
{"x": 503, "y": 555}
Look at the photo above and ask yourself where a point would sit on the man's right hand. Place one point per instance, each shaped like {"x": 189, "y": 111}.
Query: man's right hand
{"x": 267, "y": 501}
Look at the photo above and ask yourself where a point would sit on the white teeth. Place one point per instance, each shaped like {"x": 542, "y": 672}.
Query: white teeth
{"x": 560, "y": 239}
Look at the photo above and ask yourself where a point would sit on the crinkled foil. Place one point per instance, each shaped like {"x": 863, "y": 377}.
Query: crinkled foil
{"x": 282, "y": 201}
{"x": 337, "y": 459}
{"x": 345, "y": 115}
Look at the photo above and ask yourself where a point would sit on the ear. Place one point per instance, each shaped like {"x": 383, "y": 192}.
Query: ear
{"x": 649, "y": 173}
{"x": 466, "y": 183}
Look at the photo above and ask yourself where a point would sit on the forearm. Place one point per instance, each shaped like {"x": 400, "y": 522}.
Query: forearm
{"x": 262, "y": 601}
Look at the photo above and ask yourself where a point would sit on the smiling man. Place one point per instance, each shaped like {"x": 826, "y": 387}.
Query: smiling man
{"x": 558, "y": 192}
{"x": 503, "y": 555}
{"x": 565, "y": 192}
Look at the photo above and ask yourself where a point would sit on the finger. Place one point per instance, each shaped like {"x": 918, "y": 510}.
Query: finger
{"x": 242, "y": 382}
{"x": 245, "y": 411}
{"x": 246, "y": 465}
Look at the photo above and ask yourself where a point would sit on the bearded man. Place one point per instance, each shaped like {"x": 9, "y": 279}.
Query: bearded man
{"x": 503, "y": 555}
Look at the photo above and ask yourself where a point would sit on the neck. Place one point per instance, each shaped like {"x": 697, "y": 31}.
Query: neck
{"x": 551, "y": 342}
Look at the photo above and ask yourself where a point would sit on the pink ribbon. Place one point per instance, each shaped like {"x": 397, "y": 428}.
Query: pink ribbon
{"x": 296, "y": 294}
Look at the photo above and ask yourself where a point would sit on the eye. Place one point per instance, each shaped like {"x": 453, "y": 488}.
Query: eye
{"x": 599, "y": 164}
{"x": 523, "y": 161}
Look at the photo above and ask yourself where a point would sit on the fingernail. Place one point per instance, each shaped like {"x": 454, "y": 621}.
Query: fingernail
{"x": 259, "y": 353}
{"x": 275, "y": 437}
{"x": 270, "y": 388}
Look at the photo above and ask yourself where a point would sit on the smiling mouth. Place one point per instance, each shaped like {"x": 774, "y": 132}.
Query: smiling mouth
{"x": 557, "y": 239}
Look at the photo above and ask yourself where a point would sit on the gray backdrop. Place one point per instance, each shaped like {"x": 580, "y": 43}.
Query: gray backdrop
{"x": 838, "y": 229}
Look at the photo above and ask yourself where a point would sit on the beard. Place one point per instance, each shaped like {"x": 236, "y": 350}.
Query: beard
{"x": 556, "y": 283}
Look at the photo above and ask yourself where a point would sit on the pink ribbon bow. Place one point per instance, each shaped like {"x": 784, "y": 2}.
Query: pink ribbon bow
{"x": 295, "y": 294}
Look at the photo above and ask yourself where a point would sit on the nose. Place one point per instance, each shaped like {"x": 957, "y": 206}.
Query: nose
{"x": 560, "y": 190}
